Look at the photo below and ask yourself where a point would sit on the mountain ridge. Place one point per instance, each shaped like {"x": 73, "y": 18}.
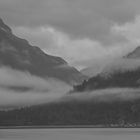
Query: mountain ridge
{"x": 125, "y": 74}
{"x": 18, "y": 54}
{"x": 134, "y": 54}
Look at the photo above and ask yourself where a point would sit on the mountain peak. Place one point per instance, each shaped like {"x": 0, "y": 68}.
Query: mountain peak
{"x": 4, "y": 27}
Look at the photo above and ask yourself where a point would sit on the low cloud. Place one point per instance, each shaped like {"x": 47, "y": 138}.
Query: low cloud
{"x": 81, "y": 53}
{"x": 39, "y": 90}
{"x": 51, "y": 90}
{"x": 105, "y": 95}
{"x": 108, "y": 66}
{"x": 121, "y": 65}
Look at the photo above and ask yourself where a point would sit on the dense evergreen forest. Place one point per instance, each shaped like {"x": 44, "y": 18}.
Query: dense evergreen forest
{"x": 124, "y": 79}
{"x": 107, "y": 114}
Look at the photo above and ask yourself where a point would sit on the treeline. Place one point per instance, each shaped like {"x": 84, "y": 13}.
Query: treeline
{"x": 130, "y": 79}
{"x": 118, "y": 113}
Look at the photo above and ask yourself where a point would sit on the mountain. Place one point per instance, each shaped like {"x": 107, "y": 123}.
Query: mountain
{"x": 100, "y": 64}
{"x": 18, "y": 54}
{"x": 121, "y": 73}
{"x": 134, "y": 54}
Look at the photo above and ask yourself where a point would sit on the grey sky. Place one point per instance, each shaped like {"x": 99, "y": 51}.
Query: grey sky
{"x": 92, "y": 19}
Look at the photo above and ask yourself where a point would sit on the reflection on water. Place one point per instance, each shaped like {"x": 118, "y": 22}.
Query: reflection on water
{"x": 70, "y": 134}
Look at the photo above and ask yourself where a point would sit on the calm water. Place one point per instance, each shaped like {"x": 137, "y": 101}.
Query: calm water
{"x": 70, "y": 134}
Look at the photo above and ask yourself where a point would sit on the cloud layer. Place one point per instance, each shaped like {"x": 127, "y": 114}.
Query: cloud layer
{"x": 79, "y": 17}
{"x": 51, "y": 90}
{"x": 39, "y": 90}
{"x": 106, "y": 95}
{"x": 80, "y": 53}
{"x": 82, "y": 32}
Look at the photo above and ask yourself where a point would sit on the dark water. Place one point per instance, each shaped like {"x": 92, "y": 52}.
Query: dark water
{"x": 70, "y": 134}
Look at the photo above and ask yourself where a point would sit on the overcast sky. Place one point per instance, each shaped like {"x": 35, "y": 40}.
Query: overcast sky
{"x": 80, "y": 31}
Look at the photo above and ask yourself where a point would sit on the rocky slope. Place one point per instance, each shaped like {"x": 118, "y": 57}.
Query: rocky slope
{"x": 18, "y": 54}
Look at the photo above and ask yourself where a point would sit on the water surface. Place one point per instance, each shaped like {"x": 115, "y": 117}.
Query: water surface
{"x": 70, "y": 134}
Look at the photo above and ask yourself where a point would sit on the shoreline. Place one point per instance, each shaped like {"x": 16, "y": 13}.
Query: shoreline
{"x": 62, "y": 127}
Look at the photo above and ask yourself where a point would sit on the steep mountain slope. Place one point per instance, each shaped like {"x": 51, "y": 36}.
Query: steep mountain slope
{"x": 135, "y": 54}
{"x": 124, "y": 73}
{"x": 18, "y": 54}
